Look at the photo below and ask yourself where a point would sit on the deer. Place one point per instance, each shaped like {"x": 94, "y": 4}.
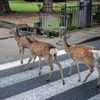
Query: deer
{"x": 44, "y": 50}
{"x": 20, "y": 41}
{"x": 82, "y": 54}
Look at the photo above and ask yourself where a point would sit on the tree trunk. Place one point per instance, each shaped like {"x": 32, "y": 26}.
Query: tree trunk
{"x": 4, "y": 6}
{"x": 47, "y": 5}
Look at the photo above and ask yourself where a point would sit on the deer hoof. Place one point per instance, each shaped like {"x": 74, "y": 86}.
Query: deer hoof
{"x": 39, "y": 73}
{"x": 63, "y": 82}
{"x": 30, "y": 67}
{"x": 69, "y": 74}
{"x": 79, "y": 80}
{"x": 84, "y": 80}
{"x": 24, "y": 69}
{"x": 47, "y": 79}
{"x": 98, "y": 85}
{"x": 21, "y": 62}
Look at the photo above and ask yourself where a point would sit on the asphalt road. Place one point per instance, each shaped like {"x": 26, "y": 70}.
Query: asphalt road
{"x": 16, "y": 84}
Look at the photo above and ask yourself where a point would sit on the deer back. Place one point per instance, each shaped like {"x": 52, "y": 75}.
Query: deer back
{"x": 81, "y": 53}
{"x": 39, "y": 48}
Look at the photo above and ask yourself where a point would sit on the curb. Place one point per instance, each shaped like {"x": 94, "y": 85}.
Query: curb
{"x": 6, "y": 37}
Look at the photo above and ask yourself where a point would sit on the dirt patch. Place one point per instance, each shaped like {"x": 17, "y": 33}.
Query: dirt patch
{"x": 21, "y": 17}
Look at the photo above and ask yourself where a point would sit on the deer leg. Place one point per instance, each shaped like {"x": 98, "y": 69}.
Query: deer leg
{"x": 91, "y": 70}
{"x": 28, "y": 62}
{"x": 77, "y": 66}
{"x": 40, "y": 65}
{"x": 59, "y": 65}
{"x": 71, "y": 68}
{"x": 22, "y": 54}
{"x": 51, "y": 67}
{"x": 32, "y": 63}
{"x": 96, "y": 64}
{"x": 20, "y": 51}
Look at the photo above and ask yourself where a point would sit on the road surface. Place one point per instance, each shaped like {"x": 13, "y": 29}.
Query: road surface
{"x": 16, "y": 84}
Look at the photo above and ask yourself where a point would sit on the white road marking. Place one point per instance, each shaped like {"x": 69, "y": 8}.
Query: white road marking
{"x": 96, "y": 97}
{"x": 53, "y": 88}
{"x": 25, "y": 75}
{"x": 45, "y": 91}
{"x": 17, "y": 63}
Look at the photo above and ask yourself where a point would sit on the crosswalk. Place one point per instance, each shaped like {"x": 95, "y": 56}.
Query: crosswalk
{"x": 28, "y": 85}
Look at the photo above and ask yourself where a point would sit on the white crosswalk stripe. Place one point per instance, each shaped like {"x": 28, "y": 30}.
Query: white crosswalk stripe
{"x": 54, "y": 88}
{"x": 17, "y": 63}
{"x": 97, "y": 97}
{"x": 47, "y": 90}
{"x": 16, "y": 78}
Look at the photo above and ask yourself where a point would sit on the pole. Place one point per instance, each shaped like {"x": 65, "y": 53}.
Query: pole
{"x": 65, "y": 16}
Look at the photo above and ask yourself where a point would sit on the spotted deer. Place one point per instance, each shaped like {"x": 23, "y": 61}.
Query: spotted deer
{"x": 83, "y": 54}
{"x": 45, "y": 50}
{"x": 20, "y": 41}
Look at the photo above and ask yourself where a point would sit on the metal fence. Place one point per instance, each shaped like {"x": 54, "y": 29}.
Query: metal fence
{"x": 70, "y": 16}
{"x": 52, "y": 19}
{"x": 82, "y": 16}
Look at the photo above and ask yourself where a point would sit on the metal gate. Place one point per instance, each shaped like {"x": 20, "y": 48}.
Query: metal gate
{"x": 68, "y": 16}
{"x": 54, "y": 19}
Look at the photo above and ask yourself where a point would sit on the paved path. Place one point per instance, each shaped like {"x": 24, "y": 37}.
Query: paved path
{"x": 76, "y": 37}
{"x": 16, "y": 84}
{"x": 9, "y": 50}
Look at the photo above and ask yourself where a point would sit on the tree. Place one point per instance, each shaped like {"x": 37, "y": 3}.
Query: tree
{"x": 47, "y": 5}
{"x": 4, "y": 6}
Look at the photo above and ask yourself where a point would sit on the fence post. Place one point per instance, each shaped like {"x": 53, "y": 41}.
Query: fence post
{"x": 36, "y": 25}
{"x": 40, "y": 15}
{"x": 98, "y": 14}
{"x": 62, "y": 30}
{"x": 65, "y": 15}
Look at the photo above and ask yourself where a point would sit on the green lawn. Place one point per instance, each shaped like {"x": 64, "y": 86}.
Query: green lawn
{"x": 20, "y": 5}
{"x": 23, "y": 6}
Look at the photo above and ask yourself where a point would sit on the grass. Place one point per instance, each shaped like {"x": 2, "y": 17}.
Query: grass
{"x": 21, "y": 5}
{"x": 51, "y": 24}
{"x": 35, "y": 19}
{"x": 37, "y": 35}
